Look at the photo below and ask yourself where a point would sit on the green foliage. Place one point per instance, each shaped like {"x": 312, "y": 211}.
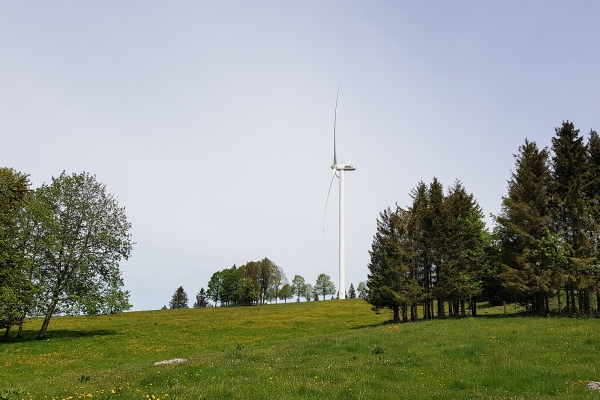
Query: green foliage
{"x": 351, "y": 292}
{"x": 79, "y": 242}
{"x": 550, "y": 224}
{"x": 324, "y": 286}
{"x": 286, "y": 292}
{"x": 16, "y": 288}
{"x": 362, "y": 290}
{"x": 299, "y": 286}
{"x": 308, "y": 292}
{"x": 252, "y": 283}
{"x": 377, "y": 349}
{"x": 201, "y": 299}
{"x": 179, "y": 299}
{"x": 434, "y": 250}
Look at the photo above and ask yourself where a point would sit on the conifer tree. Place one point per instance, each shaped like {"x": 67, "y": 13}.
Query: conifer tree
{"x": 201, "y": 299}
{"x": 571, "y": 220}
{"x": 351, "y": 292}
{"x": 391, "y": 282}
{"x": 436, "y": 241}
{"x": 179, "y": 300}
{"x": 523, "y": 228}
{"x": 465, "y": 235}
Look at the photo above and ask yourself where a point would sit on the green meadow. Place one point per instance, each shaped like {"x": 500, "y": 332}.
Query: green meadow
{"x": 317, "y": 350}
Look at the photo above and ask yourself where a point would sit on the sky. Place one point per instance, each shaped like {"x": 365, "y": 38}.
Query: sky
{"x": 212, "y": 121}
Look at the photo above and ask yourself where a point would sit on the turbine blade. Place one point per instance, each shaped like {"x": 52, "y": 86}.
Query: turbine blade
{"x": 327, "y": 201}
{"x": 334, "y": 124}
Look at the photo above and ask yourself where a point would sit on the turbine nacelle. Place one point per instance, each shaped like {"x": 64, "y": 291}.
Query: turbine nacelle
{"x": 344, "y": 167}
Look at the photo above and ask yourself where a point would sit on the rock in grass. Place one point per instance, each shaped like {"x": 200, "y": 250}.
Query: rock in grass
{"x": 594, "y": 385}
{"x": 173, "y": 361}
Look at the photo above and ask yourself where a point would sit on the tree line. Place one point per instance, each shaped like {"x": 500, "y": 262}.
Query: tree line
{"x": 256, "y": 283}
{"x": 60, "y": 248}
{"x": 437, "y": 255}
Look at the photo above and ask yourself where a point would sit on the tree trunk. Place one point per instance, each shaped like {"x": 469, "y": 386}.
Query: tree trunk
{"x": 20, "y": 328}
{"x": 462, "y": 308}
{"x": 413, "y": 312}
{"x": 474, "y": 306}
{"x": 8, "y": 325}
{"x": 404, "y": 313}
{"x": 49, "y": 313}
{"x": 396, "y": 314}
{"x": 540, "y": 304}
{"x": 597, "y": 301}
{"x": 559, "y": 303}
{"x": 440, "y": 307}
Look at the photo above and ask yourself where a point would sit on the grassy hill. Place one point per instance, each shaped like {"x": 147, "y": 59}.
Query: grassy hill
{"x": 319, "y": 350}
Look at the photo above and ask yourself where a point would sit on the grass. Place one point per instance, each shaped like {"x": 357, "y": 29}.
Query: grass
{"x": 320, "y": 350}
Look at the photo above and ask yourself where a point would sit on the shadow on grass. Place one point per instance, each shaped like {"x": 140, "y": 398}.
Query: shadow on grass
{"x": 369, "y": 325}
{"x": 58, "y": 334}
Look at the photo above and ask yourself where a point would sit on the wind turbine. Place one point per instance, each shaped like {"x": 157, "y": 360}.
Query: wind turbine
{"x": 342, "y": 168}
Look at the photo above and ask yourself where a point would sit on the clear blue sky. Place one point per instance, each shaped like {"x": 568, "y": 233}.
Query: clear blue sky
{"x": 212, "y": 121}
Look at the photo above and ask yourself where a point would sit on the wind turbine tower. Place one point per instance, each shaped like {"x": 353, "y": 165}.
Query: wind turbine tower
{"x": 341, "y": 168}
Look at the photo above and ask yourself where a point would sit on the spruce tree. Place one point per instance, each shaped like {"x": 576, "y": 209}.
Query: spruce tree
{"x": 351, "y": 292}
{"x": 465, "y": 235}
{"x": 436, "y": 242}
{"x": 523, "y": 228}
{"x": 391, "y": 282}
{"x": 571, "y": 220}
{"x": 201, "y": 299}
{"x": 180, "y": 299}
{"x": 592, "y": 196}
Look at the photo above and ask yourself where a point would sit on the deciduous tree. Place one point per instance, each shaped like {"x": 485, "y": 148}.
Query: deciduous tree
{"x": 79, "y": 247}
{"x": 299, "y": 286}
{"x": 286, "y": 292}
{"x": 324, "y": 285}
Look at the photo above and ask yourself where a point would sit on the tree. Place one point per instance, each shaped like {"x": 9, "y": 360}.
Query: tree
{"x": 16, "y": 288}
{"x": 362, "y": 290}
{"x": 215, "y": 285}
{"x": 523, "y": 225}
{"x": 179, "y": 300}
{"x": 352, "y": 292}
{"x": 308, "y": 292}
{"x": 391, "y": 283}
{"x": 324, "y": 285}
{"x": 78, "y": 248}
{"x": 286, "y": 292}
{"x": 571, "y": 213}
{"x": 201, "y": 299}
{"x": 279, "y": 279}
{"x": 465, "y": 236}
{"x": 298, "y": 286}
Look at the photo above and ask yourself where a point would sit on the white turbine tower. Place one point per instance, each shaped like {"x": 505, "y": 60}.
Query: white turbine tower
{"x": 341, "y": 168}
